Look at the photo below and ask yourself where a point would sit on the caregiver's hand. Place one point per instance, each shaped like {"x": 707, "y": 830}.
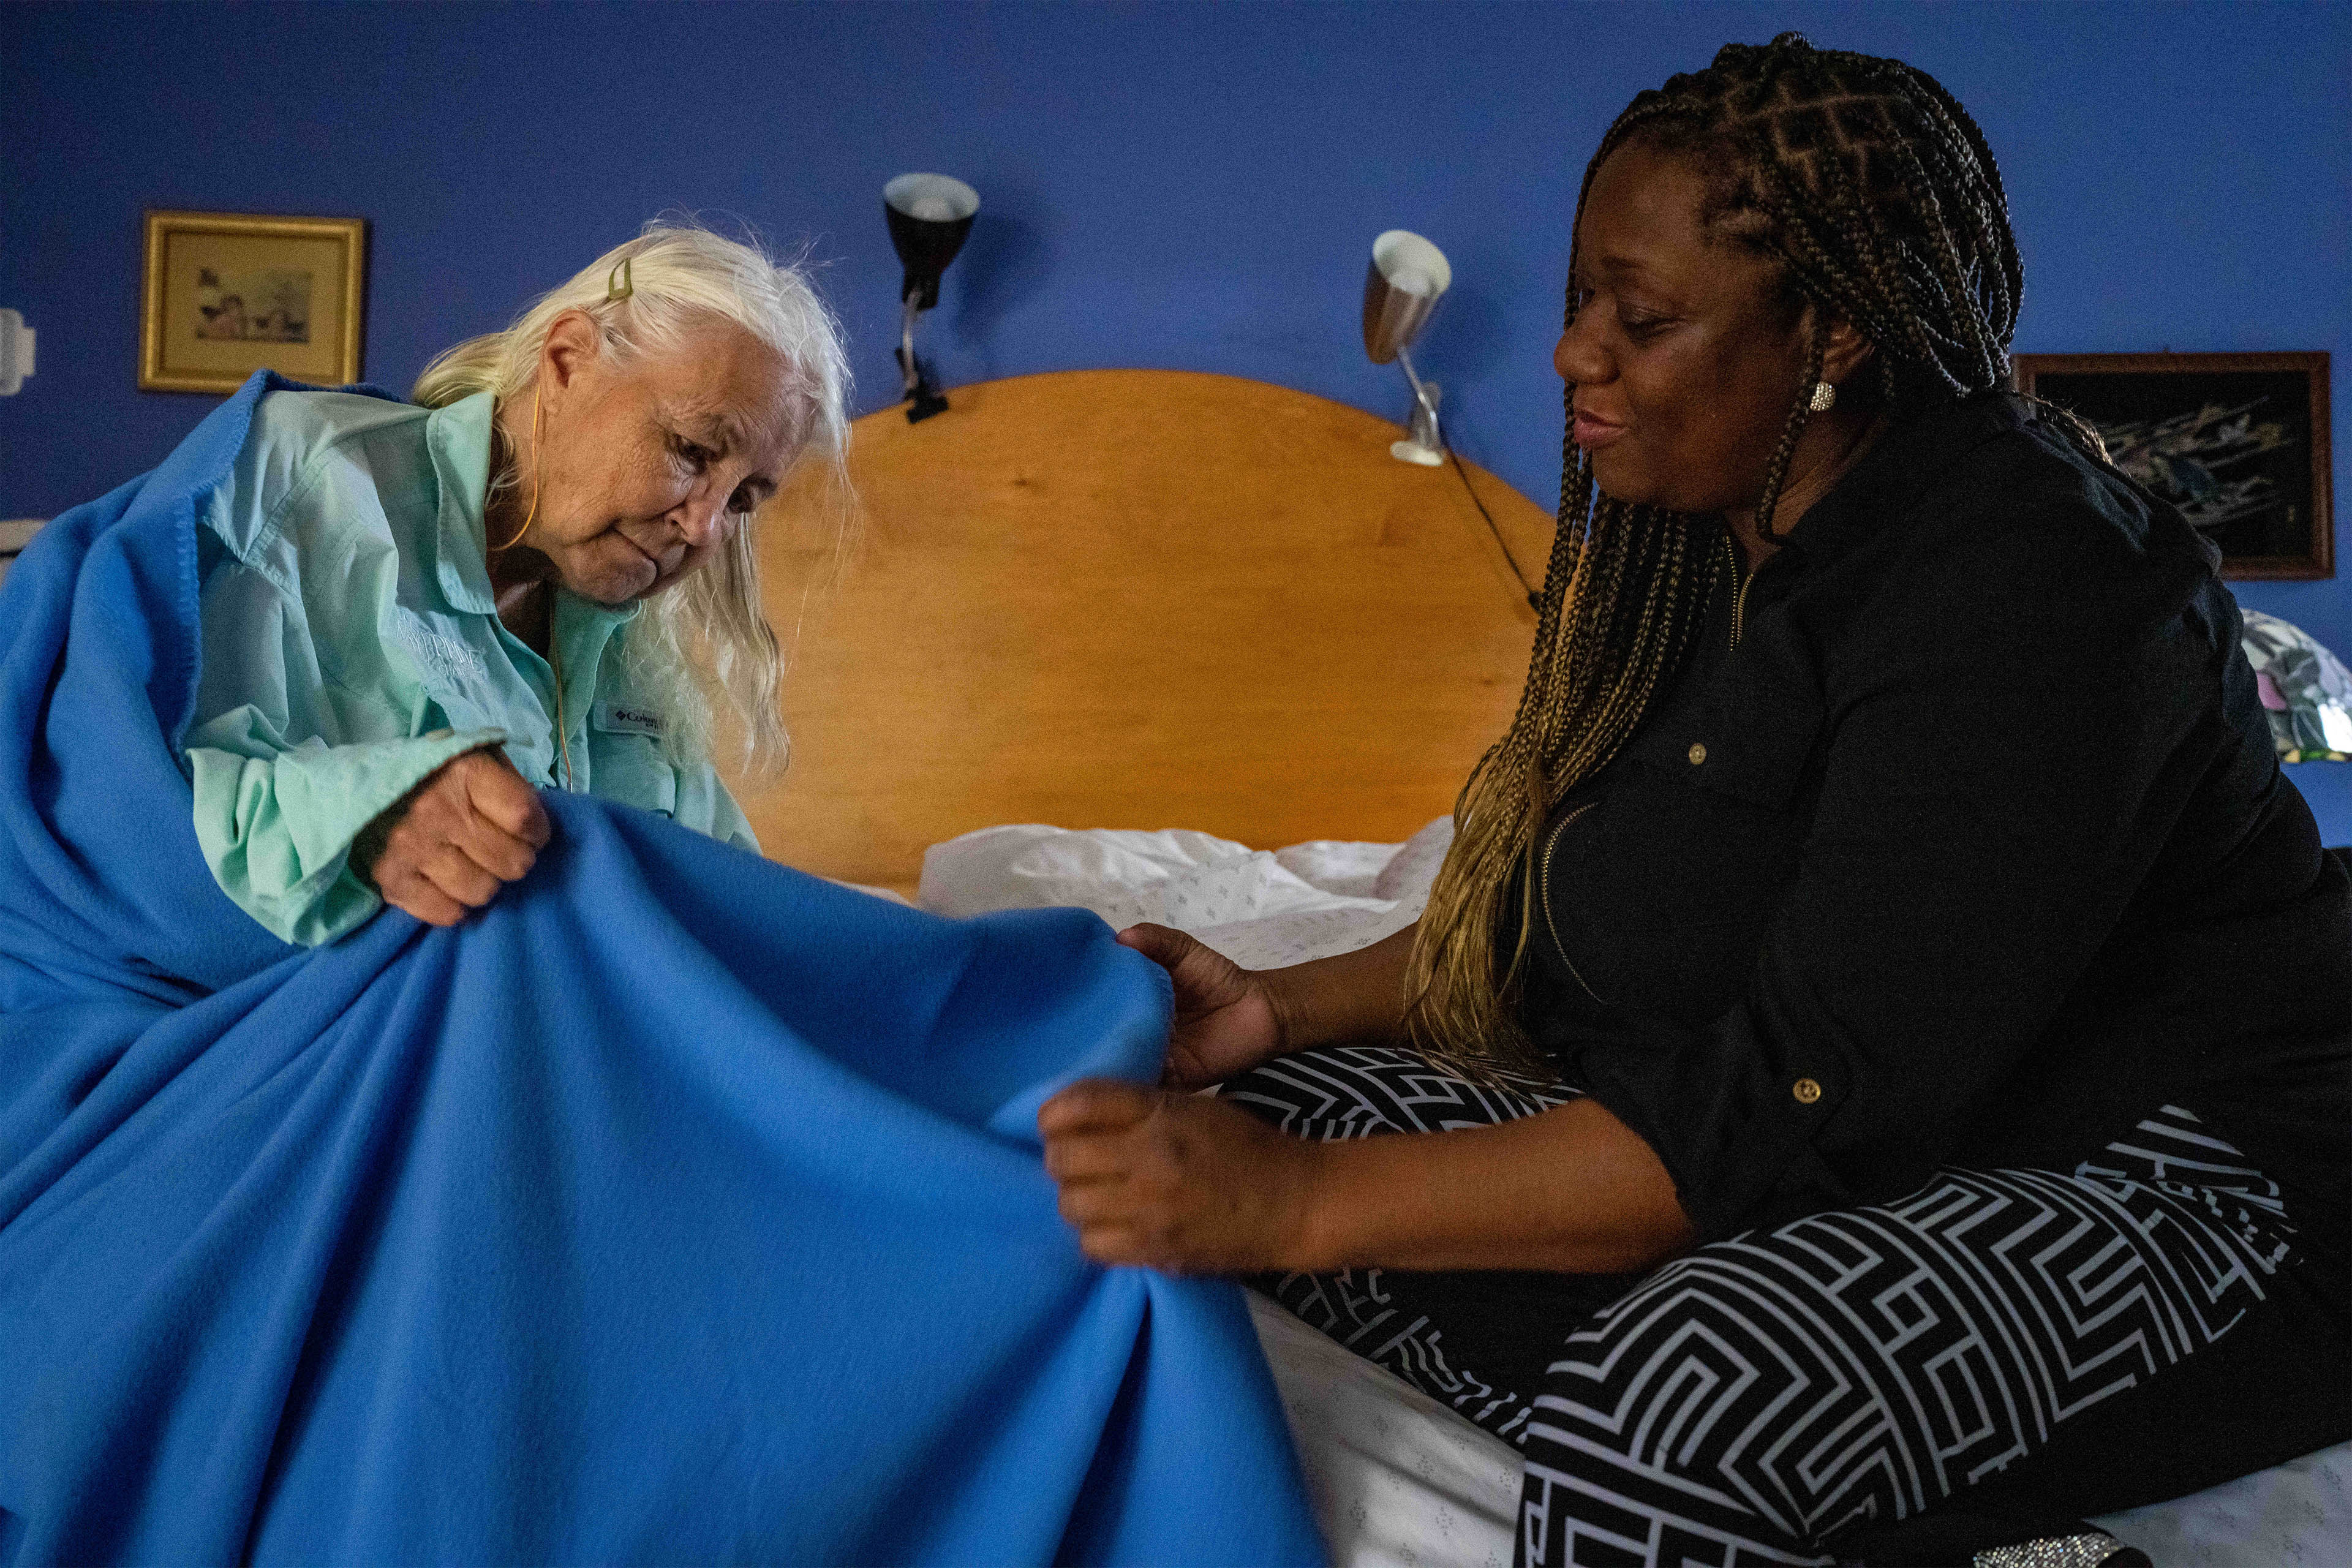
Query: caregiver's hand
{"x": 449, "y": 843}
{"x": 1171, "y": 1181}
{"x": 1226, "y": 1022}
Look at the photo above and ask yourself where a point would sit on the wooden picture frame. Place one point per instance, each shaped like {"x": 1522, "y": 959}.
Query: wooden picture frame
{"x": 199, "y": 333}
{"x": 2239, "y": 441}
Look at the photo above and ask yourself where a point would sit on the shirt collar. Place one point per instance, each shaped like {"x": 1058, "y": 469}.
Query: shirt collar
{"x": 1906, "y": 462}
{"x": 582, "y": 626}
{"x": 458, "y": 438}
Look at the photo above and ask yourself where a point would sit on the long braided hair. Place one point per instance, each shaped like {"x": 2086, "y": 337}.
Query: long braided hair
{"x": 1876, "y": 195}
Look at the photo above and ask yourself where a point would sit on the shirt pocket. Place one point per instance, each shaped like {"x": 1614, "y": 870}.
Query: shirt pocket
{"x": 628, "y": 765}
{"x": 452, "y": 675}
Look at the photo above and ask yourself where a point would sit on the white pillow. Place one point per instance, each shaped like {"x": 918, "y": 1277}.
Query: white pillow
{"x": 1262, "y": 908}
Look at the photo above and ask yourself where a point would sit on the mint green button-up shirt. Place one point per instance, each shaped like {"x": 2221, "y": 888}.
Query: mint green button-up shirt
{"x": 351, "y": 646}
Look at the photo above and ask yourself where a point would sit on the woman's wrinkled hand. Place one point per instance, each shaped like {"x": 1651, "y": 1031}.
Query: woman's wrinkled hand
{"x": 454, "y": 840}
{"x": 1179, "y": 1182}
{"x": 1226, "y": 1021}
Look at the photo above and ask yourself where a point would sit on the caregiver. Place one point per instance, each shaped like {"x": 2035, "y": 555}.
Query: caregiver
{"x": 412, "y": 620}
{"x": 1911, "y": 1008}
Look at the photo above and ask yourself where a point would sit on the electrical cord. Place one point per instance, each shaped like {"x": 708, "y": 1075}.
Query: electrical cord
{"x": 1534, "y": 602}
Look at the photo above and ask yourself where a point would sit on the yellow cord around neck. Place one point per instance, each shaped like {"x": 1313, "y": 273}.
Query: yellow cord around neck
{"x": 563, "y": 730}
{"x": 554, "y": 661}
{"x": 532, "y": 516}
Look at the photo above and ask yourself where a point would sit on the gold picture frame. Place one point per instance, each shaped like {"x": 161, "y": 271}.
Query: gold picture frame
{"x": 198, "y": 331}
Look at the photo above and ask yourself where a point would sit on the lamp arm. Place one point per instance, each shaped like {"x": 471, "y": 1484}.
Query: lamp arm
{"x": 1420, "y": 394}
{"x": 913, "y": 308}
{"x": 1423, "y": 443}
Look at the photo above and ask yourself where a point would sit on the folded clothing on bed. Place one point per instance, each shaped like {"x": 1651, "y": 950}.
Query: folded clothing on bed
{"x": 677, "y": 1207}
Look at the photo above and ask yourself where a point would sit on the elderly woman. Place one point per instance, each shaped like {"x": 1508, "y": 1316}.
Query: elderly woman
{"x": 608, "y": 1225}
{"x": 416, "y": 618}
{"x": 1874, "y": 1057}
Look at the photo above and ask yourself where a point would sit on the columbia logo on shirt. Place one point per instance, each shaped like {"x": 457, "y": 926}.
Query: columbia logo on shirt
{"x": 627, "y": 721}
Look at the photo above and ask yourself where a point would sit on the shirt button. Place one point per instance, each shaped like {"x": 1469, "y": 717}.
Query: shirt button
{"x": 1698, "y": 753}
{"x": 1806, "y": 1091}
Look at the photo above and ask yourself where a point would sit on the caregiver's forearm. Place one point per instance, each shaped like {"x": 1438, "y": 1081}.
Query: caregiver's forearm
{"x": 1573, "y": 1190}
{"x": 1354, "y": 998}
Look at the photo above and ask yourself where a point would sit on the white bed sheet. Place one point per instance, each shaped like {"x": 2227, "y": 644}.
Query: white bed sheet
{"x": 1398, "y": 1481}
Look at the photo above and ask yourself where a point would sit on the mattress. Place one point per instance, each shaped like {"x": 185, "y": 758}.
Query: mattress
{"x": 1397, "y": 1479}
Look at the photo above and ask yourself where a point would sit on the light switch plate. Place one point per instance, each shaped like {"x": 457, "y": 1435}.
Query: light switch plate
{"x": 15, "y": 352}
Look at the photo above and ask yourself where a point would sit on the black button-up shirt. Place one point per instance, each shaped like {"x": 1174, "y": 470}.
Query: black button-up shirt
{"x": 1972, "y": 849}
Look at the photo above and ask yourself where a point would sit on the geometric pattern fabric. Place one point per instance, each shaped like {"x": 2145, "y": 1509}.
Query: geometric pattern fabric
{"x": 1746, "y": 1402}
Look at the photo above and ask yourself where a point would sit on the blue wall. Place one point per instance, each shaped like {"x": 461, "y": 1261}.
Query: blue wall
{"x": 1185, "y": 185}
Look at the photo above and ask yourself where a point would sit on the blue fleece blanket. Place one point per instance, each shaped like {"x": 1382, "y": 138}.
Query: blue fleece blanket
{"x": 678, "y": 1208}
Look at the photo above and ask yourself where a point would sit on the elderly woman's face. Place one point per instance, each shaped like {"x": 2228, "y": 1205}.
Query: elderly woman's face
{"x": 1685, "y": 360}
{"x": 645, "y": 467}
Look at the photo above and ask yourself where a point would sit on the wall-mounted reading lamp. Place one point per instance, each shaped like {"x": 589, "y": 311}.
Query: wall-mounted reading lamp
{"x": 929, "y": 216}
{"x": 1407, "y": 276}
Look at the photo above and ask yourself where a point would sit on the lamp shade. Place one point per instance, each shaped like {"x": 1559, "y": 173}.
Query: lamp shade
{"x": 1407, "y": 276}
{"x": 2306, "y": 691}
{"x": 930, "y": 215}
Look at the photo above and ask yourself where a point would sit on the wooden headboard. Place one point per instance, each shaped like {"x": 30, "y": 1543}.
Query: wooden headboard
{"x": 1139, "y": 599}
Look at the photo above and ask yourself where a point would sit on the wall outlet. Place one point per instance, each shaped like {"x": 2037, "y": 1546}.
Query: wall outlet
{"x": 15, "y": 352}
{"x": 14, "y": 535}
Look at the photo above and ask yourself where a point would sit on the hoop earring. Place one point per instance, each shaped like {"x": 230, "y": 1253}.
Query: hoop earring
{"x": 536, "y": 426}
{"x": 1824, "y": 397}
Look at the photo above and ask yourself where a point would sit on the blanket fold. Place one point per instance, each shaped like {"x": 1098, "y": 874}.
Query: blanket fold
{"x": 677, "y": 1207}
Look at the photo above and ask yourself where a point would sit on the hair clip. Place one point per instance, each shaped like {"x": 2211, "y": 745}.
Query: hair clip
{"x": 623, "y": 282}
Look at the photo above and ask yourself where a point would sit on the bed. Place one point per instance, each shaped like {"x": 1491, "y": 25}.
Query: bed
{"x": 1186, "y": 619}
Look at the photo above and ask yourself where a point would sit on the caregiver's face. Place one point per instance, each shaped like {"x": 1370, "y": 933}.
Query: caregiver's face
{"x": 647, "y": 466}
{"x": 1683, "y": 357}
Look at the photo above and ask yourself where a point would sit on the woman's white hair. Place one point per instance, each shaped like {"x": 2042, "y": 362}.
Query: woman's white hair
{"x": 704, "y": 647}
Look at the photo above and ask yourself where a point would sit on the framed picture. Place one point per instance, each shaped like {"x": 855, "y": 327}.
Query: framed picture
{"x": 2237, "y": 442}
{"x": 226, "y": 294}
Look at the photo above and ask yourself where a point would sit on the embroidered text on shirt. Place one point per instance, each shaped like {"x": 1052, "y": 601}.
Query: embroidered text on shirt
{"x": 441, "y": 654}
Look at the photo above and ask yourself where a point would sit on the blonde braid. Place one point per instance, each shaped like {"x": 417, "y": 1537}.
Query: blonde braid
{"x": 1619, "y": 604}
